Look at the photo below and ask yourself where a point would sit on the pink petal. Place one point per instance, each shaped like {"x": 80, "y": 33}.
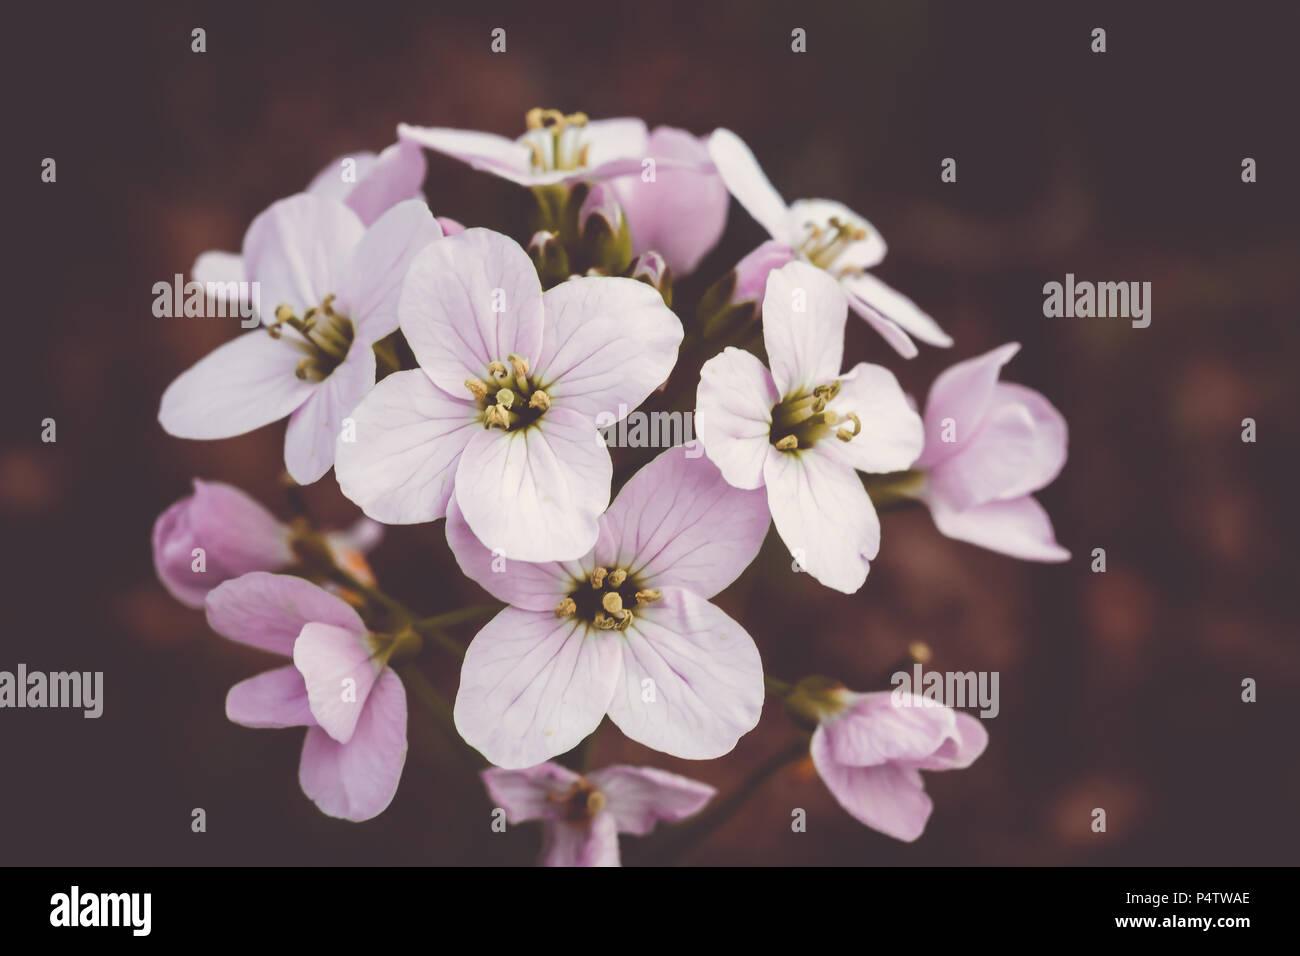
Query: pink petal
{"x": 677, "y": 523}
{"x": 746, "y": 181}
{"x": 961, "y": 749}
{"x": 1019, "y": 528}
{"x": 447, "y": 306}
{"x": 888, "y": 798}
{"x": 639, "y": 797}
{"x": 682, "y": 213}
{"x": 529, "y": 794}
{"x": 992, "y": 463}
{"x": 888, "y": 330}
{"x": 803, "y": 327}
{"x": 340, "y": 668}
{"x": 608, "y": 344}
{"x": 315, "y": 426}
{"x": 823, "y": 515}
{"x": 397, "y": 174}
{"x": 962, "y": 393}
{"x": 733, "y": 415}
{"x": 373, "y": 279}
{"x": 276, "y": 698}
{"x": 244, "y": 384}
{"x": 705, "y": 680}
{"x": 236, "y": 533}
{"x": 450, "y": 227}
{"x": 297, "y": 251}
{"x": 532, "y": 587}
{"x": 896, "y": 307}
{"x": 888, "y": 727}
{"x": 357, "y": 780}
{"x": 591, "y": 843}
{"x": 753, "y": 270}
{"x": 269, "y": 610}
{"x": 533, "y": 687}
{"x": 891, "y": 437}
{"x": 1051, "y": 438}
{"x": 409, "y": 437}
{"x": 535, "y": 493}
{"x": 485, "y": 151}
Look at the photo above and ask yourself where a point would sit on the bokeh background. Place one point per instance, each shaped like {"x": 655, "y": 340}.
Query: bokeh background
{"x": 1118, "y": 690}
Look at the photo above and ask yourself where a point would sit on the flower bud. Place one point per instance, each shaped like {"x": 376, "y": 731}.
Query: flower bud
{"x": 650, "y": 268}
{"x": 735, "y": 300}
{"x": 606, "y": 244}
{"x": 549, "y": 257}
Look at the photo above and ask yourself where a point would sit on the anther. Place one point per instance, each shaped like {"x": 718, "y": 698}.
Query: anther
{"x": 612, "y": 602}
{"x": 476, "y": 388}
{"x": 598, "y": 578}
{"x": 505, "y": 397}
{"x": 616, "y": 578}
{"x": 540, "y": 400}
{"x": 788, "y": 443}
{"x": 566, "y": 608}
{"x": 648, "y": 596}
{"x": 844, "y": 434}
{"x": 497, "y": 370}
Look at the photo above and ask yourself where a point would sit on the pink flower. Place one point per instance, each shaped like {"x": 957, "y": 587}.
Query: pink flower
{"x": 502, "y": 410}
{"x": 680, "y": 213}
{"x": 803, "y": 429}
{"x": 871, "y": 750}
{"x": 329, "y": 291}
{"x": 339, "y": 687}
{"x": 830, "y": 236}
{"x": 374, "y": 185}
{"x": 625, "y": 630}
{"x": 219, "y": 533}
{"x": 555, "y": 148}
{"x": 582, "y": 816}
{"x": 988, "y": 446}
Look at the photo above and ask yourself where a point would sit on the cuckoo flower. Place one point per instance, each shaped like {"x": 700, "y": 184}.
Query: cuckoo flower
{"x": 830, "y": 236}
{"x": 625, "y": 630}
{"x": 339, "y": 687}
{"x": 803, "y": 429}
{"x": 582, "y": 816}
{"x": 369, "y": 185}
{"x": 503, "y": 407}
{"x": 988, "y": 446}
{"x": 219, "y": 533}
{"x": 870, "y": 749}
{"x": 329, "y": 291}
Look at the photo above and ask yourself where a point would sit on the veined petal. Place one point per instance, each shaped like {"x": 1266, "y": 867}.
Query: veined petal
{"x": 963, "y": 394}
{"x": 804, "y": 312}
{"x": 747, "y": 182}
{"x": 532, "y": 687}
{"x": 592, "y": 842}
{"x": 316, "y": 425}
{"x": 270, "y": 610}
{"x": 639, "y": 797}
{"x": 992, "y": 463}
{"x": 470, "y": 300}
{"x": 276, "y": 698}
{"x": 535, "y": 493}
{"x": 409, "y": 437}
{"x": 896, "y": 307}
{"x": 891, "y": 436}
{"x": 691, "y": 683}
{"x": 297, "y": 251}
{"x": 824, "y": 516}
{"x": 529, "y": 794}
{"x": 372, "y": 282}
{"x": 889, "y": 726}
{"x": 340, "y": 669}
{"x": 678, "y": 523}
{"x": 733, "y": 415}
{"x": 1019, "y": 528}
{"x": 889, "y": 798}
{"x": 608, "y": 343}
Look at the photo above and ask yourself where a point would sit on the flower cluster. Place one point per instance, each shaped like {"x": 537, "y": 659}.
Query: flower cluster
{"x": 456, "y": 374}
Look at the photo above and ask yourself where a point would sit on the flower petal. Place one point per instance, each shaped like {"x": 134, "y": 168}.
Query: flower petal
{"x": 1019, "y": 528}
{"x": 992, "y": 463}
{"x": 889, "y": 726}
{"x": 967, "y": 742}
{"x": 535, "y": 493}
{"x": 409, "y": 437}
{"x": 746, "y": 181}
{"x": 297, "y": 251}
{"x": 888, "y": 330}
{"x": 485, "y": 151}
{"x": 691, "y": 683}
{"x": 891, "y": 436}
{"x": 532, "y": 587}
{"x": 340, "y": 669}
{"x": 270, "y": 610}
{"x": 824, "y": 516}
{"x": 677, "y": 523}
{"x": 963, "y": 394}
{"x": 373, "y": 279}
{"x": 358, "y": 780}
{"x": 382, "y": 181}
{"x": 276, "y": 698}
{"x": 733, "y": 415}
{"x": 532, "y": 687}
{"x": 609, "y": 342}
{"x": 857, "y": 253}
{"x": 242, "y": 385}
{"x": 316, "y": 425}
{"x": 220, "y": 267}
{"x": 804, "y": 313}
{"x": 898, "y": 308}
{"x": 639, "y": 797}
{"x": 529, "y": 794}
{"x": 1051, "y": 438}
{"x": 450, "y": 301}
{"x": 621, "y": 137}
{"x": 590, "y": 843}
{"x": 888, "y": 798}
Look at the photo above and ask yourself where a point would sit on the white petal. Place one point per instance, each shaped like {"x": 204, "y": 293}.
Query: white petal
{"x": 804, "y": 313}
{"x": 733, "y": 415}
{"x": 891, "y": 437}
{"x": 315, "y": 427}
{"x": 747, "y": 182}
{"x": 297, "y": 251}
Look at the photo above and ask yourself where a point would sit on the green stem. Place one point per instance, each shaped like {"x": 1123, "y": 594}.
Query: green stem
{"x": 418, "y": 685}
{"x": 776, "y": 687}
{"x": 458, "y": 616}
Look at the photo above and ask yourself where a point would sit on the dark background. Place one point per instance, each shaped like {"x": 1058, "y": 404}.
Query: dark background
{"x": 1119, "y": 690}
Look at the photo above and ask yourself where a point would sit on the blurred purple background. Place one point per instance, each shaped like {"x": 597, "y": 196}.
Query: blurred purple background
{"x": 1118, "y": 690}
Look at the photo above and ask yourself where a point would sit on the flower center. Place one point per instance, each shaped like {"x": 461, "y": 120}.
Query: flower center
{"x": 824, "y": 243}
{"x": 556, "y": 141}
{"x": 802, "y": 420}
{"x": 603, "y": 599}
{"x": 322, "y": 334}
{"x": 509, "y": 398}
{"x": 582, "y": 801}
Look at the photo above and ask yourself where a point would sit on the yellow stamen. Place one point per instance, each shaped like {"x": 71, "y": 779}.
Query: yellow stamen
{"x": 598, "y": 578}
{"x": 648, "y": 596}
{"x": 788, "y": 443}
{"x": 616, "y": 578}
{"x": 566, "y": 608}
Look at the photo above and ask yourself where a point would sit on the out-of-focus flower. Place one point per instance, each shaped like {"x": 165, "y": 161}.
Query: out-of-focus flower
{"x": 988, "y": 446}
{"x": 625, "y": 630}
{"x": 339, "y": 687}
{"x": 520, "y": 449}
{"x": 367, "y": 184}
{"x": 804, "y": 429}
{"x": 830, "y": 236}
{"x": 682, "y": 211}
{"x": 870, "y": 749}
{"x": 582, "y": 816}
{"x": 329, "y": 290}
